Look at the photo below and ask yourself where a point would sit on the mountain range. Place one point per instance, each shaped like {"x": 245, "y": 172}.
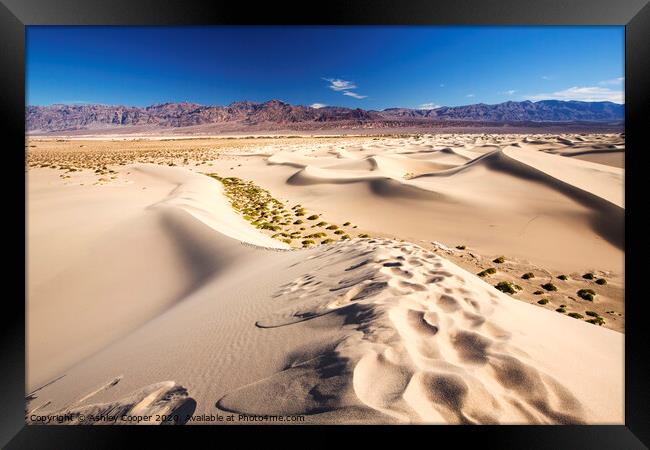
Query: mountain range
{"x": 275, "y": 114}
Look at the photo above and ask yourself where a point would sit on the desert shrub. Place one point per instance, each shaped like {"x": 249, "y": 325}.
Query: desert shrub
{"x": 575, "y": 315}
{"x": 528, "y": 275}
{"x": 499, "y": 260}
{"x": 298, "y": 222}
{"x": 268, "y": 226}
{"x": 538, "y": 292}
{"x": 345, "y": 236}
{"x": 363, "y": 235}
{"x": 461, "y": 247}
{"x": 561, "y": 310}
{"x": 563, "y": 277}
{"x": 321, "y": 224}
{"x": 313, "y": 217}
{"x": 346, "y": 224}
{"x": 549, "y": 287}
{"x": 592, "y": 313}
{"x": 339, "y": 232}
{"x": 507, "y": 287}
{"x": 586, "y": 294}
{"x": 332, "y": 227}
{"x": 287, "y": 241}
{"x": 596, "y": 321}
{"x": 588, "y": 276}
{"x": 300, "y": 213}
{"x": 307, "y": 242}
{"x": 327, "y": 241}
{"x": 601, "y": 281}
{"x": 488, "y": 271}
{"x": 543, "y": 301}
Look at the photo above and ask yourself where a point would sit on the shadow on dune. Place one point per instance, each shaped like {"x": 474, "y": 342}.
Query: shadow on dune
{"x": 378, "y": 185}
{"x": 607, "y": 219}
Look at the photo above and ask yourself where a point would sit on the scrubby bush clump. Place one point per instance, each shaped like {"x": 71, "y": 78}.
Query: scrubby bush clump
{"x": 549, "y": 287}
{"x": 561, "y": 310}
{"x": 575, "y": 315}
{"x": 461, "y": 247}
{"x": 316, "y": 235}
{"x": 507, "y": 287}
{"x": 601, "y": 281}
{"x": 587, "y": 294}
{"x": 363, "y": 235}
{"x": 486, "y": 272}
{"x": 592, "y": 313}
{"x": 596, "y": 321}
{"x": 588, "y": 276}
{"x": 538, "y": 292}
{"x": 313, "y": 217}
{"x": 499, "y": 260}
{"x": 543, "y": 301}
{"x": 563, "y": 277}
{"x": 528, "y": 275}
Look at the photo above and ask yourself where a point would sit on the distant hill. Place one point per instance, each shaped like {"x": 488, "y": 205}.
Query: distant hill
{"x": 275, "y": 114}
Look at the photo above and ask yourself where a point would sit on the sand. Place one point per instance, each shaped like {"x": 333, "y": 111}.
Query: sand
{"x": 149, "y": 294}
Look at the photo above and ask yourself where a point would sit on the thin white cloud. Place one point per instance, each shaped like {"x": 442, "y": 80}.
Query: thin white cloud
{"x": 508, "y": 92}
{"x": 428, "y": 106}
{"x": 442, "y": 85}
{"x": 354, "y": 95}
{"x": 613, "y": 81}
{"x": 344, "y": 87}
{"x": 546, "y": 77}
{"x": 469, "y": 95}
{"x": 585, "y": 94}
{"x": 318, "y": 105}
{"x": 337, "y": 84}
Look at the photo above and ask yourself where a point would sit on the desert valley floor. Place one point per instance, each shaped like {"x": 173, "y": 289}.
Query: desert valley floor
{"x": 447, "y": 278}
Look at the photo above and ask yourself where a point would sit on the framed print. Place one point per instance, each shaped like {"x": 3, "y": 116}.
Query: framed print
{"x": 374, "y": 214}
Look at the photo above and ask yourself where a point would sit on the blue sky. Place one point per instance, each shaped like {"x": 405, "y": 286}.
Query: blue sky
{"x": 365, "y": 67}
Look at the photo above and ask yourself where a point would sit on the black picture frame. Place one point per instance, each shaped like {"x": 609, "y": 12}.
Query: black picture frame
{"x": 633, "y": 14}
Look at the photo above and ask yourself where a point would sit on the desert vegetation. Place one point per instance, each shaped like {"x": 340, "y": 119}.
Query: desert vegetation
{"x": 262, "y": 210}
{"x": 508, "y": 287}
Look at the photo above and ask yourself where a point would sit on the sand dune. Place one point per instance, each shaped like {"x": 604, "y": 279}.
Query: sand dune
{"x": 170, "y": 301}
{"x": 108, "y": 288}
{"x": 537, "y": 204}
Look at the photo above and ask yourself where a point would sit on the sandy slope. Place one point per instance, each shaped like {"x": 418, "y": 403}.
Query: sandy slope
{"x": 168, "y": 301}
{"x": 118, "y": 257}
